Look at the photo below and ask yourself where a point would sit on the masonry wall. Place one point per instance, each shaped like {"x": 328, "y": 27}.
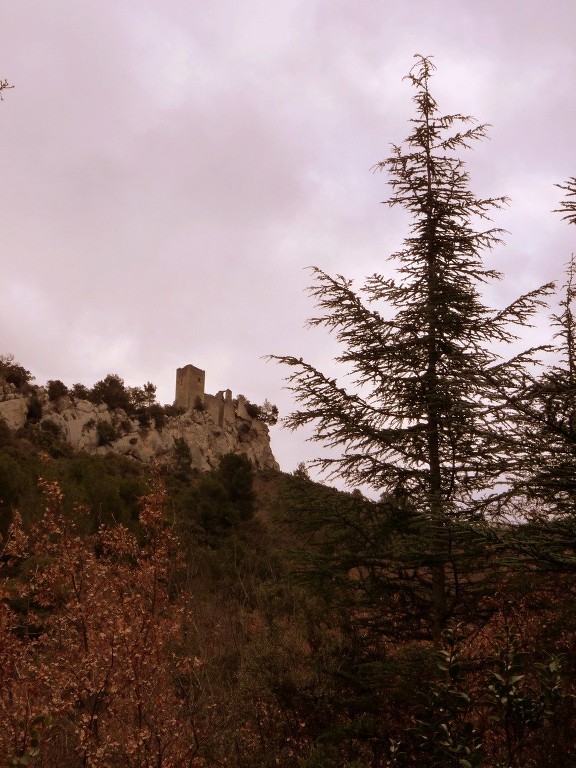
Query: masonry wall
{"x": 220, "y": 407}
{"x": 190, "y": 383}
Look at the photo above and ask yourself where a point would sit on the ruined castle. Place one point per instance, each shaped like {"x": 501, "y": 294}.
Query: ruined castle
{"x": 190, "y": 394}
{"x": 211, "y": 425}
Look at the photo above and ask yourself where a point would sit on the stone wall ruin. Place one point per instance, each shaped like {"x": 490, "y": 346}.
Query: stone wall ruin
{"x": 191, "y": 396}
{"x": 190, "y": 387}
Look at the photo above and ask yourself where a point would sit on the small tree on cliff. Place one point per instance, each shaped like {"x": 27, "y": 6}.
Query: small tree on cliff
{"x": 420, "y": 416}
{"x": 111, "y": 391}
{"x": 14, "y": 373}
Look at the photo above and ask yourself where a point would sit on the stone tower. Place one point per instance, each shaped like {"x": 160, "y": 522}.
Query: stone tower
{"x": 189, "y": 387}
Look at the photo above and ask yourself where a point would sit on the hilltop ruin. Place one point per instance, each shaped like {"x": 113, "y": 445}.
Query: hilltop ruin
{"x": 211, "y": 425}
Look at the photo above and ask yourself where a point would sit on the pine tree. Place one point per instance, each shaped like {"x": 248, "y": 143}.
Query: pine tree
{"x": 426, "y": 413}
{"x": 544, "y": 482}
{"x": 548, "y": 463}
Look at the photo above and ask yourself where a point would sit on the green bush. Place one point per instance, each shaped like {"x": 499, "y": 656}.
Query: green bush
{"x": 50, "y": 426}
{"x": 160, "y": 414}
{"x": 112, "y": 391}
{"x": 220, "y": 501}
{"x": 156, "y": 412}
{"x": 34, "y": 413}
{"x": 173, "y": 410}
{"x": 266, "y": 412}
{"x": 80, "y": 392}
{"x": 56, "y": 389}
{"x": 107, "y": 432}
{"x": 252, "y": 410}
{"x": 142, "y": 396}
{"x": 182, "y": 458}
{"x": 237, "y": 476}
{"x": 109, "y": 486}
{"x": 45, "y": 439}
{"x": 14, "y": 373}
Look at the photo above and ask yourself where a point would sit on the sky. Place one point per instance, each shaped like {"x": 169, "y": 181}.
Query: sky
{"x": 169, "y": 169}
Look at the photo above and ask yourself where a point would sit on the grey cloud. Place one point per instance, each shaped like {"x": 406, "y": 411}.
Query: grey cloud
{"x": 168, "y": 170}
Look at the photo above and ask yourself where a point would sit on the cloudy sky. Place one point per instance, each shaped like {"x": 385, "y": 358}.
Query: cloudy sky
{"x": 168, "y": 169}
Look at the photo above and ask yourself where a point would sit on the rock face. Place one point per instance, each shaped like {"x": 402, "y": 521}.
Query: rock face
{"x": 13, "y": 407}
{"x": 221, "y": 425}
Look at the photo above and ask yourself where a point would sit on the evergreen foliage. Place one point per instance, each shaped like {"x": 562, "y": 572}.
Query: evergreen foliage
{"x": 543, "y": 483}
{"x": 14, "y": 373}
{"x": 267, "y": 412}
{"x": 264, "y": 669}
{"x": 427, "y": 415}
{"x": 80, "y": 391}
{"x": 568, "y": 205}
{"x": 56, "y": 389}
{"x": 219, "y": 501}
{"x": 112, "y": 391}
{"x": 420, "y": 348}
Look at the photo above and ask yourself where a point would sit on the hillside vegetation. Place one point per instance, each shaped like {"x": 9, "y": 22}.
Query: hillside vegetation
{"x": 233, "y": 619}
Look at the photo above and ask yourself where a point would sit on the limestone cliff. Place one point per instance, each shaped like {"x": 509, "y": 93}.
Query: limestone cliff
{"x": 204, "y": 429}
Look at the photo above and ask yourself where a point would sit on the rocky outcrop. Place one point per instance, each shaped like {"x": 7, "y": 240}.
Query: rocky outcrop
{"x": 86, "y": 426}
{"x": 13, "y": 406}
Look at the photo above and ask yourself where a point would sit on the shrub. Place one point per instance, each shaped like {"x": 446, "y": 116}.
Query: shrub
{"x": 50, "y": 426}
{"x": 44, "y": 440}
{"x": 111, "y": 391}
{"x": 56, "y": 389}
{"x": 182, "y": 457}
{"x": 143, "y": 396}
{"x": 301, "y": 471}
{"x": 107, "y": 432}
{"x": 81, "y": 392}
{"x": 34, "y": 413}
{"x": 107, "y": 654}
{"x": 252, "y": 410}
{"x": 144, "y": 418}
{"x": 14, "y": 479}
{"x": 157, "y": 413}
{"x": 220, "y": 501}
{"x": 236, "y": 474}
{"x": 160, "y": 413}
{"x": 266, "y": 412}
{"x": 173, "y": 410}
{"x": 14, "y": 373}
{"x": 243, "y": 430}
{"x": 126, "y": 426}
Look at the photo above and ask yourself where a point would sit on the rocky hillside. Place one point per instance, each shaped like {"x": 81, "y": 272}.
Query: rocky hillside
{"x": 97, "y": 428}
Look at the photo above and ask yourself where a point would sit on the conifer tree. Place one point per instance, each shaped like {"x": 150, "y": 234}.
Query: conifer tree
{"x": 547, "y": 466}
{"x": 544, "y": 481}
{"x": 423, "y": 414}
